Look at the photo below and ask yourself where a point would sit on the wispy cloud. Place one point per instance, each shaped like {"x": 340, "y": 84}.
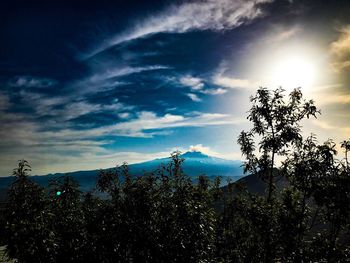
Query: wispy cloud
{"x": 105, "y": 77}
{"x": 31, "y": 82}
{"x": 340, "y": 48}
{"x": 67, "y": 108}
{"x": 146, "y": 124}
{"x": 331, "y": 95}
{"x": 279, "y": 35}
{"x": 26, "y": 139}
{"x": 233, "y": 83}
{"x": 224, "y": 78}
{"x": 200, "y": 15}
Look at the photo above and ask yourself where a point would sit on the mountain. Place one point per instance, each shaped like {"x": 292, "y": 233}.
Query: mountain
{"x": 255, "y": 185}
{"x": 195, "y": 164}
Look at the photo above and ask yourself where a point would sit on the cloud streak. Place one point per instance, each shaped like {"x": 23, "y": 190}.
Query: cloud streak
{"x": 233, "y": 83}
{"x": 32, "y": 82}
{"x": 26, "y": 139}
{"x": 216, "y": 15}
{"x": 105, "y": 77}
{"x": 146, "y": 125}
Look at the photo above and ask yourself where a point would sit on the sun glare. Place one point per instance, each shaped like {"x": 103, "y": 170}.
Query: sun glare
{"x": 291, "y": 72}
{"x": 290, "y": 66}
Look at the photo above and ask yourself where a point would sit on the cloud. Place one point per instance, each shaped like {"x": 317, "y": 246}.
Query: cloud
{"x": 233, "y": 83}
{"x": 67, "y": 108}
{"x": 31, "y": 82}
{"x": 146, "y": 124}
{"x": 105, "y": 77}
{"x": 200, "y": 148}
{"x": 331, "y": 95}
{"x": 110, "y": 72}
{"x": 208, "y": 151}
{"x": 334, "y": 98}
{"x": 44, "y": 162}
{"x": 69, "y": 149}
{"x": 340, "y": 49}
{"x": 214, "y": 15}
{"x": 194, "y": 97}
{"x": 217, "y": 91}
{"x": 332, "y": 128}
{"x": 278, "y": 35}
{"x": 197, "y": 85}
{"x": 194, "y": 83}
{"x": 124, "y": 115}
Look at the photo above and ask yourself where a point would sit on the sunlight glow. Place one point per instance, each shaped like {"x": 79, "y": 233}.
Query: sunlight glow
{"x": 290, "y": 66}
{"x": 293, "y": 71}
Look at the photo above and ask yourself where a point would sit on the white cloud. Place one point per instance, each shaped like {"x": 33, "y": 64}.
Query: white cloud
{"x": 217, "y": 91}
{"x": 194, "y": 97}
{"x": 214, "y": 15}
{"x": 200, "y": 148}
{"x": 194, "y": 83}
{"x": 124, "y": 115}
{"x": 208, "y": 151}
{"x": 233, "y": 83}
{"x": 197, "y": 85}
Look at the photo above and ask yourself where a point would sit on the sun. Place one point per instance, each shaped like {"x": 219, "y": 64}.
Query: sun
{"x": 289, "y": 66}
{"x": 293, "y": 71}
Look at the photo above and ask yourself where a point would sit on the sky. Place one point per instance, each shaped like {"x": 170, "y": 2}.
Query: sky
{"x": 90, "y": 85}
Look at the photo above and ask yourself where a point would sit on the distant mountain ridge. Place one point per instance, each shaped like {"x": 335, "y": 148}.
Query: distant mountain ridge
{"x": 196, "y": 163}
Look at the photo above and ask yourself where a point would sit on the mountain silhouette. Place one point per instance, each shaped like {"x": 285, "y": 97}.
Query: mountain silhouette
{"x": 196, "y": 163}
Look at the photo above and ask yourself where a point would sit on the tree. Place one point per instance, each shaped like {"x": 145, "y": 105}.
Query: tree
{"x": 69, "y": 222}
{"x": 27, "y": 232}
{"x": 276, "y": 124}
{"x": 276, "y": 127}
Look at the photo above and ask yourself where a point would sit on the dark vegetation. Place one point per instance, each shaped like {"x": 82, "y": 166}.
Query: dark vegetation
{"x": 295, "y": 209}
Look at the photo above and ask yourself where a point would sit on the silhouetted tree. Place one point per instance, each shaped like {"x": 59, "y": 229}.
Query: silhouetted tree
{"x": 29, "y": 237}
{"x": 276, "y": 127}
{"x": 69, "y": 222}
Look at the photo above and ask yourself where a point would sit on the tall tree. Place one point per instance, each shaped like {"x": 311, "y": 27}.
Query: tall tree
{"x": 276, "y": 126}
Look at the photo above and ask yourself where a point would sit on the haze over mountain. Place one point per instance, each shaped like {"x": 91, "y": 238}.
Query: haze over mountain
{"x": 196, "y": 163}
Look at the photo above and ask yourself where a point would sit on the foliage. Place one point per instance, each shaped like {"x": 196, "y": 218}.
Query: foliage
{"x": 28, "y": 234}
{"x": 164, "y": 217}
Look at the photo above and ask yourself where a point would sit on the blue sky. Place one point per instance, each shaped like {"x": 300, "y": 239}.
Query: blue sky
{"x": 90, "y": 85}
